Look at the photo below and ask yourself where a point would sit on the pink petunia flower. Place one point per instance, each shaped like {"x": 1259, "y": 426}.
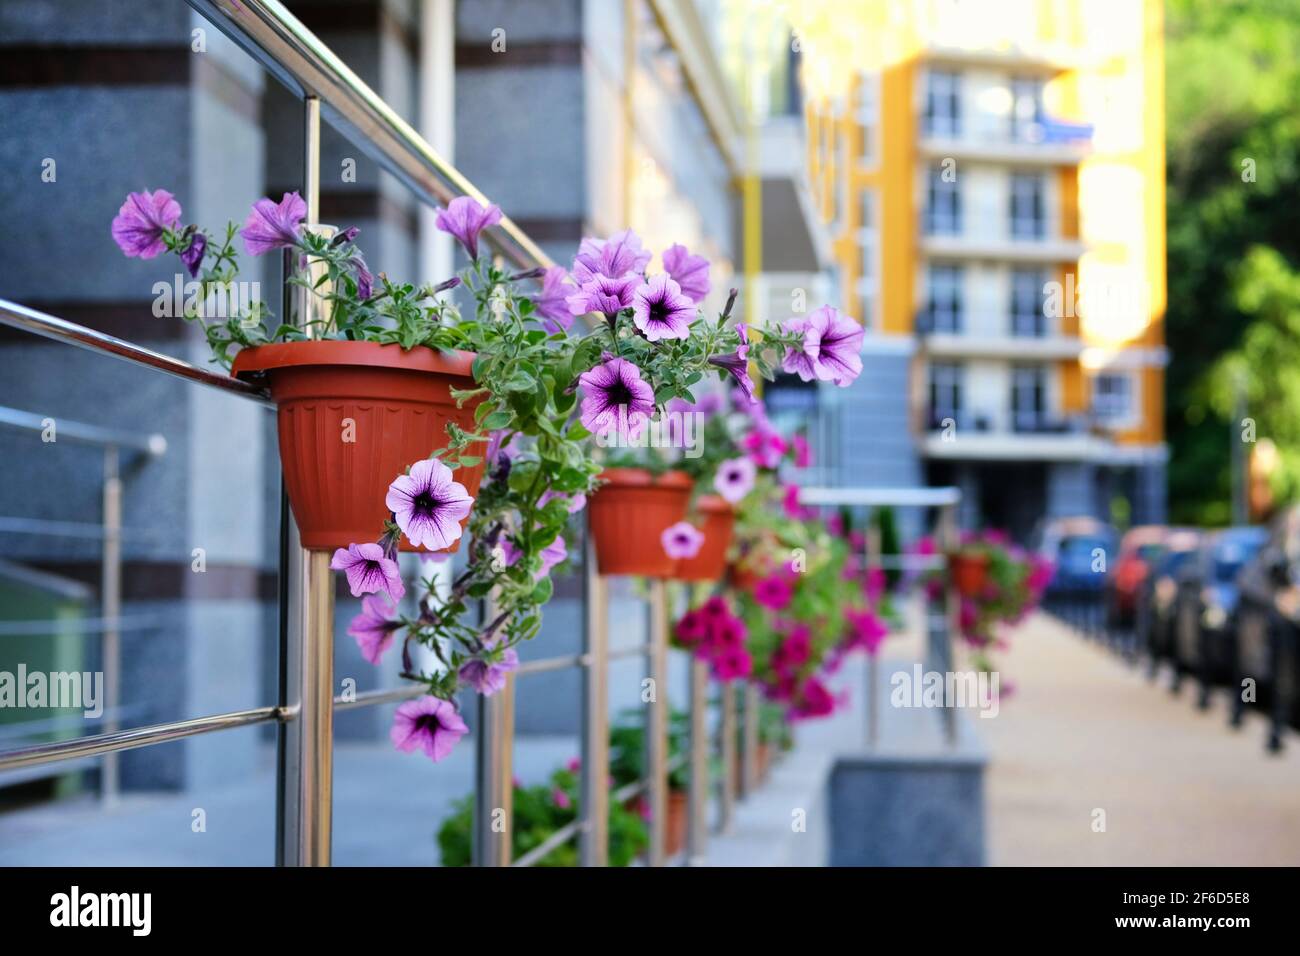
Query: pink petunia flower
{"x": 428, "y": 505}
{"x": 802, "y": 451}
{"x": 660, "y": 310}
{"x": 735, "y": 479}
{"x": 774, "y": 593}
{"x": 273, "y": 226}
{"x": 552, "y": 302}
{"x": 620, "y": 255}
{"x": 375, "y": 626}
{"x": 369, "y": 570}
{"x": 487, "y": 675}
{"x": 682, "y": 540}
{"x": 428, "y": 723}
{"x": 605, "y": 295}
{"x": 464, "y": 218}
{"x": 616, "y": 384}
{"x": 689, "y": 271}
{"x": 765, "y": 446}
{"x": 139, "y": 225}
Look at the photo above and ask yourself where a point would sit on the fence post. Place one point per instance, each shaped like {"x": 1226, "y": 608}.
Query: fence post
{"x": 951, "y": 611}
{"x": 494, "y": 783}
{"x": 593, "y": 841}
{"x": 749, "y": 740}
{"x": 656, "y": 716}
{"x": 111, "y": 612}
{"x": 698, "y": 795}
{"x": 727, "y": 698}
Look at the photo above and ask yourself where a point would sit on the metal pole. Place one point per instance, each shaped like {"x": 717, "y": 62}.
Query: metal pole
{"x": 593, "y": 843}
{"x": 697, "y": 827}
{"x": 952, "y": 610}
{"x": 656, "y": 716}
{"x": 111, "y": 612}
{"x": 727, "y": 696}
{"x": 306, "y": 771}
{"x": 749, "y": 741}
{"x": 494, "y": 788}
{"x": 872, "y": 701}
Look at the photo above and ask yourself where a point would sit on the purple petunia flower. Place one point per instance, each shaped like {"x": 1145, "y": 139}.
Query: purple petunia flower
{"x": 802, "y": 451}
{"x": 682, "y": 540}
{"x": 428, "y": 723}
{"x": 192, "y": 256}
{"x": 803, "y": 360}
{"x": 365, "y": 280}
{"x": 616, "y": 257}
{"x": 139, "y": 225}
{"x": 552, "y": 303}
{"x": 369, "y": 570}
{"x": 428, "y": 505}
{"x": 688, "y": 271}
{"x": 602, "y": 294}
{"x": 660, "y": 310}
{"x": 765, "y": 445}
{"x": 552, "y": 554}
{"x": 488, "y": 676}
{"x": 735, "y": 478}
{"x": 270, "y": 226}
{"x": 839, "y": 358}
{"x": 576, "y": 502}
{"x": 374, "y": 627}
{"x": 464, "y": 218}
{"x": 616, "y": 384}
{"x": 774, "y": 593}
{"x": 737, "y": 363}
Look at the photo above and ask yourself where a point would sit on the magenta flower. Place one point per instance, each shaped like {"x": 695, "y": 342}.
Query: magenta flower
{"x": 688, "y": 271}
{"x": 369, "y": 570}
{"x": 561, "y": 799}
{"x": 691, "y": 629}
{"x": 869, "y": 631}
{"x": 734, "y": 663}
{"x": 774, "y": 593}
{"x": 682, "y": 540}
{"x": 428, "y": 505}
{"x": 618, "y": 256}
{"x": 488, "y": 676}
{"x": 802, "y": 451}
{"x": 738, "y": 367}
{"x": 602, "y": 294}
{"x": 139, "y": 225}
{"x": 660, "y": 310}
{"x": 735, "y": 478}
{"x": 790, "y": 504}
{"x": 428, "y": 723}
{"x": 375, "y": 626}
{"x": 552, "y": 302}
{"x": 551, "y": 555}
{"x": 613, "y": 386}
{"x": 464, "y": 218}
{"x": 794, "y": 652}
{"x": 765, "y": 446}
{"x": 270, "y": 226}
{"x": 815, "y": 700}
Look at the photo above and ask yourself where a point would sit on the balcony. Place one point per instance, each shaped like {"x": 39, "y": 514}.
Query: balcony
{"x": 964, "y": 245}
{"x": 986, "y": 435}
{"x": 1046, "y": 143}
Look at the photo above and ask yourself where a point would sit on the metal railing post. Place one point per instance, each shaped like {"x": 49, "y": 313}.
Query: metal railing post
{"x": 306, "y": 776}
{"x": 593, "y": 843}
{"x": 872, "y": 700}
{"x": 749, "y": 740}
{"x": 727, "y": 697}
{"x": 697, "y": 797}
{"x": 656, "y": 716}
{"x": 494, "y": 786}
{"x": 111, "y": 612}
{"x": 951, "y": 610}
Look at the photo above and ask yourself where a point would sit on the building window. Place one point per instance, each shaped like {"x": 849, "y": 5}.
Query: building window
{"x": 868, "y": 241}
{"x": 945, "y": 392}
{"x": 1026, "y": 110}
{"x": 869, "y": 118}
{"x": 943, "y": 204}
{"x": 1028, "y": 219}
{"x": 943, "y": 103}
{"x": 1028, "y": 397}
{"x": 1027, "y": 316}
{"x": 1113, "y": 399}
{"x": 945, "y": 299}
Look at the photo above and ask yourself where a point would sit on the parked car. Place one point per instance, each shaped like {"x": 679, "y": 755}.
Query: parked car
{"x": 1266, "y": 664}
{"x": 1081, "y": 549}
{"x": 1138, "y": 550}
{"x": 1156, "y": 605}
{"x": 1205, "y": 607}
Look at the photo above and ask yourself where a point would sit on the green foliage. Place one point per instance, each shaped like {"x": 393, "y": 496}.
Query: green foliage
{"x": 1233, "y": 72}
{"x": 627, "y": 748}
{"x": 538, "y": 814}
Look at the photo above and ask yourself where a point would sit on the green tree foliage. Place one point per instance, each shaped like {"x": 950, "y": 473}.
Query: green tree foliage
{"x": 1233, "y": 81}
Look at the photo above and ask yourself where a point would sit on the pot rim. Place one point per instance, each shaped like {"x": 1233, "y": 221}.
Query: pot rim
{"x": 713, "y": 505}
{"x": 642, "y": 478}
{"x": 338, "y": 352}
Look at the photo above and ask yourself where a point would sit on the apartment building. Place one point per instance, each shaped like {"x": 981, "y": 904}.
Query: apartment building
{"x": 992, "y": 174}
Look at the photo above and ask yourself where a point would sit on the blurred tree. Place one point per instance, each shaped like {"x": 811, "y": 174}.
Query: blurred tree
{"x": 1233, "y": 77}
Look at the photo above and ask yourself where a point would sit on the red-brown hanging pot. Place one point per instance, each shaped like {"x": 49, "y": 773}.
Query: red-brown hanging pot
{"x": 710, "y": 562}
{"x": 970, "y": 572}
{"x": 628, "y": 515}
{"x": 352, "y": 417}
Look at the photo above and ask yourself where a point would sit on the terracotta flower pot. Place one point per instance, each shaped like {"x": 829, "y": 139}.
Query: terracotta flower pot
{"x": 352, "y": 417}
{"x": 969, "y": 573}
{"x": 710, "y": 564}
{"x": 628, "y": 515}
{"x": 675, "y": 831}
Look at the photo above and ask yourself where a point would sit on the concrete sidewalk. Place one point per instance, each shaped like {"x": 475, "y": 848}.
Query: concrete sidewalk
{"x": 1085, "y": 732}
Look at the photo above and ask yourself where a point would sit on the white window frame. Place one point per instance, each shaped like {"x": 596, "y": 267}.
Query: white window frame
{"x": 948, "y": 377}
{"x": 1019, "y": 279}
{"x": 945, "y": 222}
{"x": 1026, "y": 90}
{"x": 1027, "y": 190}
{"x": 869, "y": 118}
{"x": 869, "y": 252}
{"x": 1121, "y": 416}
{"x": 942, "y": 107}
{"x": 1029, "y": 380}
{"x": 945, "y": 298}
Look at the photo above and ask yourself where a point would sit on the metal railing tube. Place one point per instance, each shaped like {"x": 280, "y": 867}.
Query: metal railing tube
{"x": 697, "y": 797}
{"x": 111, "y": 611}
{"x": 727, "y": 805}
{"x": 947, "y": 542}
{"x": 749, "y": 740}
{"x": 656, "y": 716}
{"x": 494, "y": 785}
{"x": 593, "y": 844}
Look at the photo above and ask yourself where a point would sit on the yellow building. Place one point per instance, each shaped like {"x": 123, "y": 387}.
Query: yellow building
{"x": 991, "y": 173}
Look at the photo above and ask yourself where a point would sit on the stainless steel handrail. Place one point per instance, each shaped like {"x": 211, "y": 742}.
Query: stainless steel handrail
{"x": 297, "y": 58}
{"x": 152, "y": 444}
